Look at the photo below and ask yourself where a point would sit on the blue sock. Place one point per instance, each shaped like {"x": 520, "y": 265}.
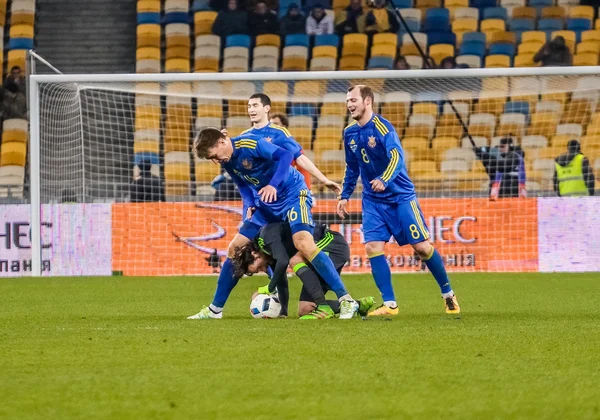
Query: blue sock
{"x": 225, "y": 284}
{"x": 436, "y": 266}
{"x": 270, "y": 272}
{"x": 325, "y": 268}
{"x": 383, "y": 277}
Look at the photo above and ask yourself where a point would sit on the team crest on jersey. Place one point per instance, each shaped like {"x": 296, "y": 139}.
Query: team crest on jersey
{"x": 352, "y": 145}
{"x": 269, "y": 139}
{"x": 372, "y": 142}
{"x": 247, "y": 164}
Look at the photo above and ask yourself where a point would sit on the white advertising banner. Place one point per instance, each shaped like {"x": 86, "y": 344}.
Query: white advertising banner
{"x": 76, "y": 240}
{"x": 568, "y": 234}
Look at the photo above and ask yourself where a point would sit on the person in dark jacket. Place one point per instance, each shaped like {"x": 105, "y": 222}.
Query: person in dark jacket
{"x": 262, "y": 20}
{"x": 381, "y": 20}
{"x": 146, "y": 187}
{"x": 351, "y": 20}
{"x": 554, "y": 53}
{"x": 505, "y": 167}
{"x": 573, "y": 175}
{"x": 231, "y": 21}
{"x": 293, "y": 22}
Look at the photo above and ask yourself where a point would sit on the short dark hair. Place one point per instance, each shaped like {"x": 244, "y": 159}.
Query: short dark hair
{"x": 206, "y": 139}
{"x": 283, "y": 118}
{"x": 264, "y": 99}
{"x": 244, "y": 257}
{"x": 365, "y": 91}
{"x": 15, "y": 68}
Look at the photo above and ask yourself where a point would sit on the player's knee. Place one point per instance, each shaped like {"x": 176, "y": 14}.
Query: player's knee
{"x": 236, "y": 243}
{"x": 305, "y": 244}
{"x": 295, "y": 260}
{"x": 424, "y": 249}
{"x": 374, "y": 247}
{"x": 305, "y": 307}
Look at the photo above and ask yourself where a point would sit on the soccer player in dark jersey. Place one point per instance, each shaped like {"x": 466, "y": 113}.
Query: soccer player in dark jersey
{"x": 263, "y": 174}
{"x": 274, "y": 247}
{"x": 389, "y": 203}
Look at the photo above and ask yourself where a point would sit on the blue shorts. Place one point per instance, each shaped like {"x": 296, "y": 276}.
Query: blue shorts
{"x": 403, "y": 221}
{"x": 296, "y": 210}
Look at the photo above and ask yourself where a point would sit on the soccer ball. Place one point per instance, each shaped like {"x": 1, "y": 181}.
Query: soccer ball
{"x": 265, "y": 306}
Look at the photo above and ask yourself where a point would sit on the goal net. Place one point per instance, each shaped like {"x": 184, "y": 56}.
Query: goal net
{"x": 97, "y": 134}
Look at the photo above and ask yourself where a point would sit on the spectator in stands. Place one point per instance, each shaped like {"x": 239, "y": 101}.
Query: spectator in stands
{"x": 231, "y": 21}
{"x": 280, "y": 119}
{"x": 351, "y": 20}
{"x": 293, "y": 22}
{"x": 14, "y": 103}
{"x": 262, "y": 20}
{"x": 448, "y": 63}
{"x": 506, "y": 168}
{"x": 554, "y": 53}
{"x": 17, "y": 76}
{"x": 380, "y": 19}
{"x": 429, "y": 63}
{"x": 401, "y": 63}
{"x": 146, "y": 187}
{"x": 319, "y": 22}
{"x": 573, "y": 175}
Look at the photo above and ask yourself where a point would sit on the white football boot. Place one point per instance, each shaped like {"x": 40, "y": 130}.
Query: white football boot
{"x": 348, "y": 308}
{"x": 206, "y": 313}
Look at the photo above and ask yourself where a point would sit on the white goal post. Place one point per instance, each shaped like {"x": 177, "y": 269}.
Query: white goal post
{"x": 462, "y": 86}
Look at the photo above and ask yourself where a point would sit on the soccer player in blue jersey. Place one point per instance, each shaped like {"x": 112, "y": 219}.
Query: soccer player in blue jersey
{"x": 264, "y": 176}
{"x": 389, "y": 203}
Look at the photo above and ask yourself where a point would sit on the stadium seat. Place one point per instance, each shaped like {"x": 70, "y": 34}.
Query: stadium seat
{"x": 519, "y": 25}
{"x": 200, "y": 5}
{"x": 550, "y": 24}
{"x": 512, "y": 124}
{"x": 271, "y": 40}
{"x": 482, "y": 125}
{"x": 592, "y": 35}
{"x": 585, "y": 12}
{"x": 440, "y": 51}
{"x": 385, "y": 39}
{"x": 177, "y": 35}
{"x": 352, "y": 63}
{"x": 13, "y": 153}
{"x": 543, "y": 124}
{"x": 549, "y": 106}
{"x": 209, "y": 99}
{"x": 534, "y": 142}
{"x": 148, "y": 11}
{"x": 420, "y": 125}
{"x": 203, "y": 22}
{"x": 427, "y": 4}
{"x": 264, "y": 51}
{"x": 502, "y": 49}
{"x": 324, "y": 51}
{"x": 354, "y": 45}
{"x": 322, "y": 64}
{"x": 300, "y": 40}
{"x": 553, "y": 12}
{"x": 238, "y": 41}
{"x": 147, "y": 66}
{"x": 264, "y": 64}
{"x": 177, "y": 174}
{"x": 569, "y": 36}
{"x": 13, "y": 175}
{"x": 147, "y": 53}
{"x": 569, "y": 129}
{"x": 529, "y": 48}
{"x": 474, "y": 37}
{"x": 497, "y": 61}
{"x": 205, "y": 170}
{"x": 517, "y": 107}
{"x": 294, "y": 64}
{"x": 278, "y": 91}
{"x": 538, "y": 37}
{"x": 587, "y": 47}
{"x": 495, "y": 13}
{"x": 148, "y": 36}
{"x": 479, "y": 141}
{"x": 524, "y": 13}
{"x": 585, "y": 59}
{"x": 22, "y": 12}
{"x": 206, "y": 51}
{"x": 473, "y": 61}
{"x": 466, "y": 13}
{"x": 437, "y": 20}
{"x": 464, "y": 25}
{"x": 380, "y": 63}
{"x": 236, "y": 52}
{"x": 328, "y": 39}
{"x": 177, "y": 65}
{"x": 578, "y": 25}
{"x": 206, "y": 65}
{"x": 207, "y": 41}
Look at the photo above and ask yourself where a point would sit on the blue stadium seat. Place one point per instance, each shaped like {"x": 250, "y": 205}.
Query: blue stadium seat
{"x": 550, "y": 24}
{"x": 521, "y": 25}
{"x": 148, "y": 17}
{"x": 478, "y": 37}
{"x": 20, "y": 44}
{"x": 437, "y": 20}
{"x": 381, "y": 63}
{"x": 434, "y": 38}
{"x": 337, "y": 86}
{"x": 403, "y": 4}
{"x": 302, "y": 109}
{"x": 200, "y": 5}
{"x": 332, "y": 40}
{"x": 472, "y": 48}
{"x": 176, "y": 17}
{"x": 482, "y": 4}
{"x": 579, "y": 24}
{"x": 503, "y": 48}
{"x": 516, "y": 107}
{"x": 541, "y": 3}
{"x": 300, "y": 40}
{"x": 237, "y": 41}
{"x": 495, "y": 13}
{"x": 145, "y": 156}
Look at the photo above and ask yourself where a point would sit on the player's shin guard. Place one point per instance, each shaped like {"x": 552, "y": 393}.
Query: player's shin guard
{"x": 325, "y": 268}
{"x": 436, "y": 265}
{"x": 225, "y": 284}
{"x": 311, "y": 282}
{"x": 382, "y": 276}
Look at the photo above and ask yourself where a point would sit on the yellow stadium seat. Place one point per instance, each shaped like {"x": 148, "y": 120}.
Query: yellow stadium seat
{"x": 529, "y": 48}
{"x": 464, "y": 25}
{"x": 585, "y": 12}
{"x": 355, "y": 44}
{"x": 501, "y": 36}
{"x": 553, "y": 12}
{"x": 422, "y": 167}
{"x": 148, "y": 35}
{"x": 414, "y": 143}
{"x": 588, "y": 47}
{"x": 203, "y": 22}
{"x": 456, "y": 3}
{"x": 14, "y": 136}
{"x": 293, "y": 64}
{"x": 177, "y": 178}
{"x": 533, "y": 36}
{"x": 590, "y": 141}
{"x": 560, "y": 141}
{"x": 492, "y": 25}
{"x": 481, "y": 130}
{"x": 152, "y": 6}
{"x": 334, "y": 108}
{"x": 177, "y": 65}
{"x": 455, "y": 130}
{"x": 543, "y": 124}
{"x": 309, "y": 88}
{"x": 592, "y": 129}
{"x": 578, "y": 111}
{"x": 182, "y": 41}
{"x": 497, "y": 61}
{"x": 490, "y": 105}
{"x": 14, "y": 129}
{"x": 21, "y": 31}
{"x": 321, "y": 145}
{"x": 597, "y": 23}
{"x": 303, "y": 135}
{"x": 322, "y": 64}
{"x": 324, "y": 51}
{"x": 440, "y": 51}
{"x": 176, "y": 139}
{"x": 591, "y": 35}
{"x": 278, "y": 91}
{"x": 352, "y": 63}
{"x": 206, "y": 170}
{"x": 441, "y": 144}
{"x": 13, "y": 153}
{"x": 409, "y": 50}
{"x": 569, "y": 37}
{"x": 427, "y": 4}
{"x": 421, "y": 131}
{"x": 395, "y": 113}
{"x": 177, "y": 52}
{"x": 383, "y": 50}
{"x": 207, "y": 65}
{"x": 329, "y": 133}
{"x": 587, "y": 59}
{"x": 524, "y": 13}
{"x": 427, "y": 108}
{"x": 525, "y": 60}
{"x": 146, "y": 146}
{"x": 385, "y": 39}
{"x": 147, "y": 117}
{"x": 22, "y": 17}
{"x": 339, "y": 5}
{"x": 268, "y": 39}
{"x": 16, "y": 58}
{"x": 147, "y": 53}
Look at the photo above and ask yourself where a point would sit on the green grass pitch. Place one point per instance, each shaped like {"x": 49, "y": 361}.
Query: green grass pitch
{"x": 526, "y": 346}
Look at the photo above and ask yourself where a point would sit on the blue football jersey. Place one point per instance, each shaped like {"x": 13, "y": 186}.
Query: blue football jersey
{"x": 279, "y": 136}
{"x": 252, "y": 165}
{"x": 374, "y": 152}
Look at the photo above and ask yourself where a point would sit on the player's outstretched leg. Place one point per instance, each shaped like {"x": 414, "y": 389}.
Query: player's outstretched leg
{"x": 312, "y": 288}
{"x": 383, "y": 279}
{"x": 434, "y": 262}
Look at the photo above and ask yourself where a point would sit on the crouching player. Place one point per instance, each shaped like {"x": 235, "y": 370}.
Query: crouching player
{"x": 274, "y": 248}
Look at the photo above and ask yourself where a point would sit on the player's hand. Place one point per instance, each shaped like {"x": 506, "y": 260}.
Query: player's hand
{"x": 341, "y": 209}
{"x": 377, "y": 185}
{"x": 250, "y": 212}
{"x": 333, "y": 186}
{"x": 268, "y": 194}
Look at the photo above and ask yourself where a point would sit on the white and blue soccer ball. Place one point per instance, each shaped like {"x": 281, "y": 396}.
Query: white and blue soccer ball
{"x": 265, "y": 306}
